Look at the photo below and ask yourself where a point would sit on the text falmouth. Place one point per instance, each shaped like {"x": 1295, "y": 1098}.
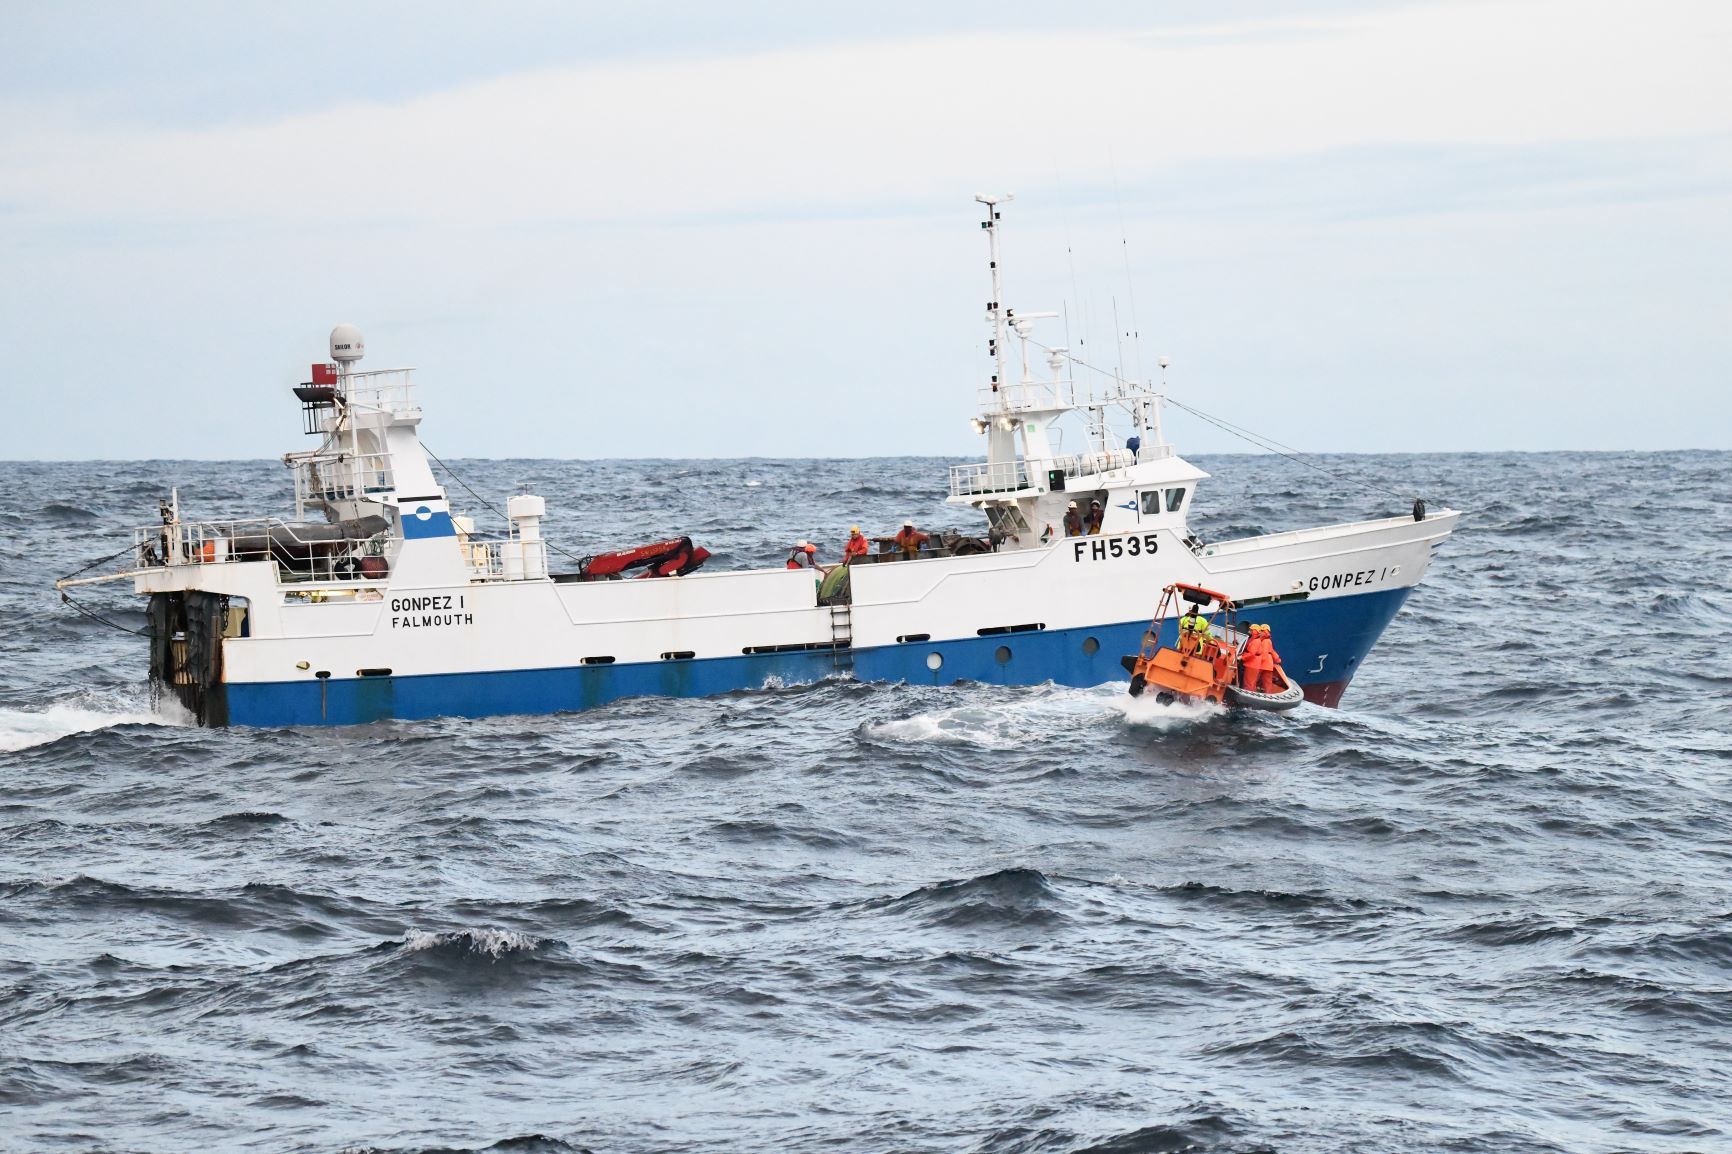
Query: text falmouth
{"x": 410, "y": 605}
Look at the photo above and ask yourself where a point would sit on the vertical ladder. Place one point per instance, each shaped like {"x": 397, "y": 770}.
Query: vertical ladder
{"x": 842, "y": 637}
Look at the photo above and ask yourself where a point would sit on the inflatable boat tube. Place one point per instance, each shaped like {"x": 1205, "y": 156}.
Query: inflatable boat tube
{"x": 1279, "y": 702}
{"x": 296, "y": 544}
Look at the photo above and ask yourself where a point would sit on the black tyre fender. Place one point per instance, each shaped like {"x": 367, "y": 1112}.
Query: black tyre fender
{"x": 1165, "y": 697}
{"x": 1137, "y": 684}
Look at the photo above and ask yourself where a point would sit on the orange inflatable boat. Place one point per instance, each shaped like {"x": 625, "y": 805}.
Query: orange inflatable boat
{"x": 1205, "y": 663}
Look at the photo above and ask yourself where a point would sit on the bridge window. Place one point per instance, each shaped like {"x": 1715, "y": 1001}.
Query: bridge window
{"x": 1175, "y": 498}
{"x": 1151, "y": 501}
{"x": 1006, "y": 520}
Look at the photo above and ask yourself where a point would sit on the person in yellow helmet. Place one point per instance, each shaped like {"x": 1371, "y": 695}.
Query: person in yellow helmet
{"x": 856, "y": 545}
{"x": 1193, "y": 631}
{"x": 1259, "y": 661}
{"x": 1271, "y": 675}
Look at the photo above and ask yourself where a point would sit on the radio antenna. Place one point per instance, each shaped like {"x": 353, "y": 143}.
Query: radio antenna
{"x": 1130, "y": 285}
{"x": 1082, "y": 304}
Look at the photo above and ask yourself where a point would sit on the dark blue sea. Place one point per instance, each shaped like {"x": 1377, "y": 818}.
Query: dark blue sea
{"x": 1486, "y": 906}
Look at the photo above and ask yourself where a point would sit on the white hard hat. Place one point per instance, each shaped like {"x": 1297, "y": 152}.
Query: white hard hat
{"x": 799, "y": 544}
{"x": 908, "y": 524}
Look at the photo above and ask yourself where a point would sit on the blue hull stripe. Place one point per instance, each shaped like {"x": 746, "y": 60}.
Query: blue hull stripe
{"x": 1321, "y": 642}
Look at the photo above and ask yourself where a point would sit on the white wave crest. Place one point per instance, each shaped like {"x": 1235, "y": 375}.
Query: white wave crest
{"x": 24, "y": 728}
{"x": 1146, "y": 711}
{"x": 1045, "y": 713}
{"x": 493, "y": 943}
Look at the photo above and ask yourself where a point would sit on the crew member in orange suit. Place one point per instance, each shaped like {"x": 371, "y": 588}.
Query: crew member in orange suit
{"x": 1260, "y": 670}
{"x": 910, "y": 540}
{"x": 1251, "y": 659}
{"x": 1272, "y": 681}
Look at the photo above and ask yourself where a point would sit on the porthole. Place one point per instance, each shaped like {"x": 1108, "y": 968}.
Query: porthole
{"x": 934, "y": 661}
{"x": 1003, "y": 654}
{"x": 1091, "y": 646}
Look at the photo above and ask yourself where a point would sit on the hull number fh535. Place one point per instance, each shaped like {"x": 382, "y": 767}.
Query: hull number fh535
{"x": 1101, "y": 548}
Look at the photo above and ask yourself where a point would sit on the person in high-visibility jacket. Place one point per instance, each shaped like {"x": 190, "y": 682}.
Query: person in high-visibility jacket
{"x": 856, "y": 545}
{"x": 1251, "y": 659}
{"x": 1193, "y": 631}
{"x": 910, "y": 540}
{"x": 1260, "y": 661}
{"x": 1271, "y": 681}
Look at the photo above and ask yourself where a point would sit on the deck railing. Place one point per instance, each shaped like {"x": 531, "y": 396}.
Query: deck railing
{"x": 1023, "y": 396}
{"x": 1018, "y": 475}
{"x": 380, "y": 389}
{"x": 504, "y": 559}
{"x": 324, "y": 477}
{"x": 299, "y": 560}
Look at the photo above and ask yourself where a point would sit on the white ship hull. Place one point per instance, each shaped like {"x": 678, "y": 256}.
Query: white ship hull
{"x": 1065, "y": 613}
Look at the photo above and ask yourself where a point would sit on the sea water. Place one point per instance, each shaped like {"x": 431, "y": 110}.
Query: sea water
{"x": 1484, "y": 906}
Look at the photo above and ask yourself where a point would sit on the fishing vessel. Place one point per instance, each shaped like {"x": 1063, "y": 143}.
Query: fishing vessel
{"x": 378, "y": 599}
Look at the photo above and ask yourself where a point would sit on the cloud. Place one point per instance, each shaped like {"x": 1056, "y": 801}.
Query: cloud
{"x": 845, "y": 126}
{"x": 1367, "y": 231}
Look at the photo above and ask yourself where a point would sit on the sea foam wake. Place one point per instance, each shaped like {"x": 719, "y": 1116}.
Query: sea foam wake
{"x": 23, "y": 728}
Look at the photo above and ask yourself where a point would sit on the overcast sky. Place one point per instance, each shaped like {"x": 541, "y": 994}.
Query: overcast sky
{"x": 747, "y": 229}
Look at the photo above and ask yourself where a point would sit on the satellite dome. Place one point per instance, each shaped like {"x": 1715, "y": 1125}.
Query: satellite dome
{"x": 346, "y": 344}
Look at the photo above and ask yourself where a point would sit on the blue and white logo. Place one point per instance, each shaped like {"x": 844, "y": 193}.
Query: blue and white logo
{"x": 422, "y": 522}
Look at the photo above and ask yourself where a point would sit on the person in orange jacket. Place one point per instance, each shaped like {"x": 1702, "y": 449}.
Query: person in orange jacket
{"x": 1260, "y": 675}
{"x": 910, "y": 540}
{"x": 1251, "y": 659}
{"x": 1274, "y": 680}
{"x": 856, "y": 546}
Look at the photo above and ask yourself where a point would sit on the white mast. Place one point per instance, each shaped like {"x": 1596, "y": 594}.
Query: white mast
{"x": 1027, "y": 409}
{"x": 995, "y": 311}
